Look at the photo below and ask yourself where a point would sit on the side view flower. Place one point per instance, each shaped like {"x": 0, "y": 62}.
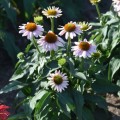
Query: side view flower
{"x": 31, "y": 29}
{"x": 70, "y": 30}
{"x": 4, "y": 114}
{"x": 52, "y": 12}
{"x": 58, "y": 81}
{"x": 94, "y": 1}
{"x": 85, "y": 26}
{"x": 83, "y": 49}
{"x": 50, "y": 42}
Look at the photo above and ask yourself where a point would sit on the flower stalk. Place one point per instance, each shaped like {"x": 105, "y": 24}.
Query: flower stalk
{"x": 52, "y": 53}
{"x": 98, "y": 10}
{"x": 35, "y": 44}
{"x": 69, "y": 46}
{"x": 52, "y": 24}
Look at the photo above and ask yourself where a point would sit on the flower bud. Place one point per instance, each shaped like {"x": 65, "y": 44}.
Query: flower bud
{"x": 96, "y": 55}
{"x": 85, "y": 26}
{"x": 62, "y": 61}
{"x": 38, "y": 20}
{"x": 20, "y": 55}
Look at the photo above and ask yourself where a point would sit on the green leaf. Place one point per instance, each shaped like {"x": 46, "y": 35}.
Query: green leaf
{"x": 28, "y": 5}
{"x": 114, "y": 66}
{"x": 79, "y": 102}
{"x": 105, "y": 88}
{"x": 65, "y": 102}
{"x": 19, "y": 73}
{"x": 9, "y": 45}
{"x": 27, "y": 49}
{"x": 53, "y": 65}
{"x": 71, "y": 65}
{"x": 39, "y": 95}
{"x": 87, "y": 114}
{"x": 113, "y": 21}
{"x": 11, "y": 13}
{"x": 15, "y": 85}
{"x": 118, "y": 83}
{"x": 41, "y": 102}
{"x": 114, "y": 44}
{"x": 98, "y": 100}
{"x": 20, "y": 116}
{"x": 104, "y": 31}
{"x": 80, "y": 75}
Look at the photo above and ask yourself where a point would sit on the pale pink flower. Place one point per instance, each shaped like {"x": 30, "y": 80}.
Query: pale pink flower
{"x": 83, "y": 49}
{"x": 58, "y": 81}
{"x": 50, "y": 42}
{"x": 31, "y": 30}
{"x": 70, "y": 30}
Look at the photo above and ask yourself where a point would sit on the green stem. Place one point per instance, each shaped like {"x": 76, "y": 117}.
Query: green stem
{"x": 35, "y": 44}
{"x": 52, "y": 24}
{"x": 52, "y": 53}
{"x": 98, "y": 11}
{"x": 81, "y": 37}
{"x": 78, "y": 37}
{"x": 69, "y": 46}
{"x": 82, "y": 63}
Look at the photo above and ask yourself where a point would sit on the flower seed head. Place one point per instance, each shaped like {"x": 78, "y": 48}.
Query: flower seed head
{"x": 51, "y": 37}
{"x": 84, "y": 46}
{"x": 31, "y": 26}
{"x": 69, "y": 27}
{"x": 58, "y": 79}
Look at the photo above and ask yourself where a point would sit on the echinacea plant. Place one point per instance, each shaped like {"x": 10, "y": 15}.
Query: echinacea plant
{"x": 59, "y": 78}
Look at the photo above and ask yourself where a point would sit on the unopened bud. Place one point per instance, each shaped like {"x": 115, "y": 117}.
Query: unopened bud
{"x": 20, "y": 55}
{"x": 38, "y": 20}
{"x": 62, "y": 61}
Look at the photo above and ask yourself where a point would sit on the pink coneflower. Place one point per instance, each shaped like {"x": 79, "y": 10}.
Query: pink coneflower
{"x": 58, "y": 81}
{"x": 83, "y": 49}
{"x": 31, "y": 29}
{"x": 70, "y": 30}
{"x": 50, "y": 42}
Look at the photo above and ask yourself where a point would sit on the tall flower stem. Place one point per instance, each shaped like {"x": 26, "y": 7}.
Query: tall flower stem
{"x": 35, "y": 44}
{"x": 69, "y": 46}
{"x": 82, "y": 64}
{"x": 52, "y": 24}
{"x": 81, "y": 37}
{"x": 98, "y": 10}
{"x": 52, "y": 53}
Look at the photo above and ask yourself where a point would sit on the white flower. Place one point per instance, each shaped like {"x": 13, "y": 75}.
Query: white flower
{"x": 85, "y": 26}
{"x": 70, "y": 30}
{"x": 58, "y": 81}
{"x": 31, "y": 29}
{"x": 116, "y": 1}
{"x": 50, "y": 42}
{"x": 52, "y": 12}
{"x": 83, "y": 49}
{"x": 116, "y": 6}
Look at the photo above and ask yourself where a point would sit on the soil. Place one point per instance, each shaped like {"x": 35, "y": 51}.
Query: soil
{"x": 113, "y": 106}
{"x": 7, "y": 69}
